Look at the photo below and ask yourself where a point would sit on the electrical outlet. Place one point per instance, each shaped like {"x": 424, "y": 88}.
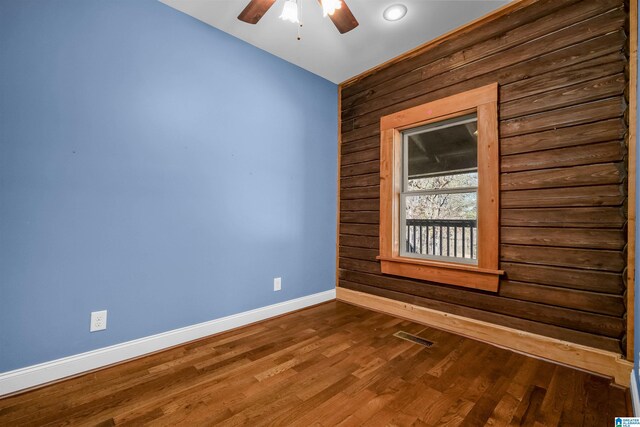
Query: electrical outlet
{"x": 277, "y": 283}
{"x": 98, "y": 321}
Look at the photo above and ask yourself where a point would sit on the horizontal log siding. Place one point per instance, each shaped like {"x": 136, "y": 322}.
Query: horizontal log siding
{"x": 561, "y": 67}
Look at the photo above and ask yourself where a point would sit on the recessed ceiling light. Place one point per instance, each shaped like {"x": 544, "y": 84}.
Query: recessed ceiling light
{"x": 395, "y": 12}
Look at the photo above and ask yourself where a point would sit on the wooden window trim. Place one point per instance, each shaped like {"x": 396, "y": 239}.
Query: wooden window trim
{"x": 485, "y": 275}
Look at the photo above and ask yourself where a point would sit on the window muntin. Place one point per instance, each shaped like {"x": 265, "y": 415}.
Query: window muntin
{"x": 438, "y": 200}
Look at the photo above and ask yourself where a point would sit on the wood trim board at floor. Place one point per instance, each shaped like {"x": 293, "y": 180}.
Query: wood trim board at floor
{"x": 577, "y": 356}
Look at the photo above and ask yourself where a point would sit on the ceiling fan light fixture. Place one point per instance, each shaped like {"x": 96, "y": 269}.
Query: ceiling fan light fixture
{"x": 290, "y": 11}
{"x": 330, "y": 6}
{"x": 395, "y": 12}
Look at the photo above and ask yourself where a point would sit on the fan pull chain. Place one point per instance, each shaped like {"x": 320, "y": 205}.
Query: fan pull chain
{"x": 299, "y": 2}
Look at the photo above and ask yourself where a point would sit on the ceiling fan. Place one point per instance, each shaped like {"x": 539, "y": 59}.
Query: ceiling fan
{"x": 337, "y": 10}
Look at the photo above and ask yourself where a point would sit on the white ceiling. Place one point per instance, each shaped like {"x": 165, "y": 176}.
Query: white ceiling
{"x": 323, "y": 50}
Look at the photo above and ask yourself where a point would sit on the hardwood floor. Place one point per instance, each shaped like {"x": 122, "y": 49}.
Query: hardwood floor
{"x": 332, "y": 364}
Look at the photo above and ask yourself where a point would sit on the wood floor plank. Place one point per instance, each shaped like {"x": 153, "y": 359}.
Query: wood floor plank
{"x": 329, "y": 365}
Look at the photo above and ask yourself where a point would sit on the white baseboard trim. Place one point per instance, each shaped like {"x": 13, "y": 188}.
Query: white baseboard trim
{"x": 23, "y": 378}
{"x": 635, "y": 397}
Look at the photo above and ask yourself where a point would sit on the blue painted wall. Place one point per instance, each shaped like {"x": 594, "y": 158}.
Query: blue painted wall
{"x": 155, "y": 167}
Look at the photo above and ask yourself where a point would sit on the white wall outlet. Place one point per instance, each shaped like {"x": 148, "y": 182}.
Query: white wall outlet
{"x": 277, "y": 283}
{"x": 98, "y": 321}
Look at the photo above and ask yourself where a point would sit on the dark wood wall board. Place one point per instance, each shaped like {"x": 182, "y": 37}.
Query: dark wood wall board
{"x": 592, "y": 69}
{"x": 594, "y": 281}
{"x": 600, "y": 110}
{"x": 599, "y": 131}
{"x": 372, "y": 192}
{"x": 561, "y": 69}
{"x": 430, "y": 86}
{"x": 360, "y": 145}
{"x": 360, "y": 181}
{"x": 605, "y": 44}
{"x": 360, "y": 205}
{"x": 359, "y": 253}
{"x": 610, "y": 326}
{"x": 587, "y": 259}
{"x": 359, "y": 229}
{"x": 562, "y": 237}
{"x": 360, "y": 168}
{"x": 599, "y": 195}
{"x": 575, "y": 176}
{"x": 359, "y": 265}
{"x": 594, "y": 302}
{"x": 366, "y": 127}
{"x": 368, "y": 242}
{"x": 583, "y": 92}
{"x": 361, "y": 217}
{"x": 612, "y": 305}
{"x": 361, "y": 156}
{"x": 575, "y": 55}
{"x": 604, "y": 152}
{"x": 598, "y": 217}
{"x": 361, "y": 133}
{"x": 573, "y": 278}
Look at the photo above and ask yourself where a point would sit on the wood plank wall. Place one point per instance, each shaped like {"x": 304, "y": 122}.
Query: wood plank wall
{"x": 562, "y": 70}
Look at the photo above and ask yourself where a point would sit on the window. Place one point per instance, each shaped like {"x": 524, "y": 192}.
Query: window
{"x": 439, "y": 198}
{"x": 439, "y": 191}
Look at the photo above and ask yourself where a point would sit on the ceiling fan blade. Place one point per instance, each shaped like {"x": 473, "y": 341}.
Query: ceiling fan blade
{"x": 343, "y": 19}
{"x": 255, "y": 10}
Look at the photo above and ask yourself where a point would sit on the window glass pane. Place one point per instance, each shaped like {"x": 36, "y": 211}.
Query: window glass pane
{"x": 459, "y": 180}
{"x": 442, "y": 206}
{"x": 442, "y": 155}
{"x": 441, "y": 225}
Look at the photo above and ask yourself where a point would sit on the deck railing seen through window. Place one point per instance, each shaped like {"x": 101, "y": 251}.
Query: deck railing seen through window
{"x": 442, "y": 237}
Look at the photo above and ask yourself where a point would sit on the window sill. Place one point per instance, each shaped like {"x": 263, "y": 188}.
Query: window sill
{"x": 468, "y": 276}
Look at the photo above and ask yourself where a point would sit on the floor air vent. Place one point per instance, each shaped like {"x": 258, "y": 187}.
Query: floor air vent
{"x": 406, "y": 336}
